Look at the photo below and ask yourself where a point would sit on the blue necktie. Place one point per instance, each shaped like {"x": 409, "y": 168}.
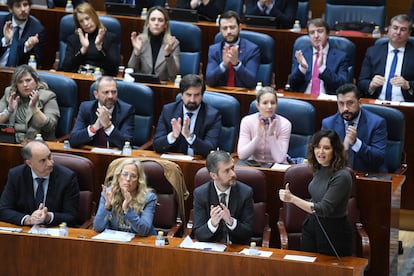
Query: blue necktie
{"x": 40, "y": 193}
{"x": 388, "y": 90}
{"x": 13, "y": 56}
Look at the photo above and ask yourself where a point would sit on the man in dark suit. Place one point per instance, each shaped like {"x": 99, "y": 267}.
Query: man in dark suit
{"x": 364, "y": 133}
{"x": 283, "y": 10}
{"x": 223, "y": 207}
{"x": 206, "y": 9}
{"x": 234, "y": 61}
{"x": 325, "y": 65}
{"x": 188, "y": 126}
{"x": 22, "y": 35}
{"x": 378, "y": 75}
{"x": 106, "y": 121}
{"x": 27, "y": 200}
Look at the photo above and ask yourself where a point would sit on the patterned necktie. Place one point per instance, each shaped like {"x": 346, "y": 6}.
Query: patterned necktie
{"x": 225, "y": 231}
{"x": 388, "y": 90}
{"x": 223, "y": 198}
{"x": 316, "y": 82}
{"x": 13, "y": 56}
{"x": 40, "y": 193}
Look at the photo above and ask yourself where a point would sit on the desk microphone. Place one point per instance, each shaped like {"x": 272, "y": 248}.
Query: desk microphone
{"x": 329, "y": 240}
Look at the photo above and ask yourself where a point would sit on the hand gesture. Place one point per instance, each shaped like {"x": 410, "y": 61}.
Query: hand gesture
{"x": 285, "y": 195}
{"x": 216, "y": 214}
{"x": 230, "y": 55}
{"x": 107, "y": 193}
{"x": 34, "y": 98}
{"x": 400, "y": 82}
{"x": 39, "y": 216}
{"x": 104, "y": 117}
{"x": 83, "y": 38}
{"x": 350, "y": 137}
{"x": 176, "y": 127}
{"x": 170, "y": 45}
{"x": 13, "y": 102}
{"x": 376, "y": 81}
{"x": 99, "y": 39}
{"x": 272, "y": 125}
{"x": 261, "y": 127}
{"x": 185, "y": 130}
{"x": 136, "y": 41}
{"x": 301, "y": 59}
{"x": 31, "y": 41}
{"x": 8, "y": 31}
{"x": 127, "y": 199}
{"x": 320, "y": 56}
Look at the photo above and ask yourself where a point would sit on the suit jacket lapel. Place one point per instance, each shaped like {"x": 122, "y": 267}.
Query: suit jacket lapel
{"x": 340, "y": 126}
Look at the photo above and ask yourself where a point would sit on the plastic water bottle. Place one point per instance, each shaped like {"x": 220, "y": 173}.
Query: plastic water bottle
{"x": 127, "y": 150}
{"x": 144, "y": 13}
{"x": 159, "y": 240}
{"x": 39, "y": 137}
{"x": 218, "y": 19}
{"x": 296, "y": 26}
{"x": 69, "y": 6}
{"x": 177, "y": 81}
{"x": 66, "y": 145}
{"x": 32, "y": 62}
{"x": 259, "y": 86}
{"x": 97, "y": 73}
{"x": 63, "y": 229}
{"x": 253, "y": 251}
{"x": 376, "y": 33}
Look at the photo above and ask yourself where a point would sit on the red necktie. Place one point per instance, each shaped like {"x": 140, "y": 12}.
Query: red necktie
{"x": 230, "y": 78}
{"x": 102, "y": 140}
{"x": 316, "y": 82}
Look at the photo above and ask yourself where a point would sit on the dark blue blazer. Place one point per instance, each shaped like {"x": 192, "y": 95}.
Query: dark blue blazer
{"x": 32, "y": 27}
{"x": 240, "y": 205}
{"x": 283, "y": 10}
{"x": 62, "y": 196}
{"x": 334, "y": 75}
{"x": 207, "y": 130}
{"x": 374, "y": 64}
{"x": 206, "y": 12}
{"x": 122, "y": 119}
{"x": 245, "y": 76}
{"x": 372, "y": 131}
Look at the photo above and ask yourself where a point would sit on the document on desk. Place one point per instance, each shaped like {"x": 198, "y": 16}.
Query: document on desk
{"x": 300, "y": 258}
{"x": 36, "y": 229}
{"x": 114, "y": 235}
{"x": 260, "y": 253}
{"x": 210, "y": 246}
{"x": 10, "y": 229}
{"x": 177, "y": 156}
{"x": 108, "y": 151}
{"x": 280, "y": 167}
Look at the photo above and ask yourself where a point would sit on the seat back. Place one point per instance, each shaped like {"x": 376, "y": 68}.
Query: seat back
{"x": 302, "y": 116}
{"x": 66, "y": 91}
{"x": 189, "y": 36}
{"x": 142, "y": 98}
{"x": 67, "y": 27}
{"x": 302, "y": 13}
{"x": 84, "y": 169}
{"x": 396, "y": 134}
{"x": 355, "y": 12}
{"x": 256, "y": 179}
{"x": 234, "y": 5}
{"x": 267, "y": 53}
{"x": 338, "y": 42}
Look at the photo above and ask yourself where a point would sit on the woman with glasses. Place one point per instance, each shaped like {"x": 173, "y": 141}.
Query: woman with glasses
{"x": 156, "y": 51}
{"x": 127, "y": 204}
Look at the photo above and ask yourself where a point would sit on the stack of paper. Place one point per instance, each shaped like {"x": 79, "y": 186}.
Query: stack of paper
{"x": 113, "y": 235}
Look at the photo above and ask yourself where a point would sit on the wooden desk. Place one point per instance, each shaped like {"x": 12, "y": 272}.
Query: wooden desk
{"x": 376, "y": 217}
{"x": 27, "y": 254}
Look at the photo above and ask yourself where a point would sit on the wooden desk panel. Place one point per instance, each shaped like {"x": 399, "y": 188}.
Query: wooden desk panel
{"x": 376, "y": 217}
{"x": 26, "y": 254}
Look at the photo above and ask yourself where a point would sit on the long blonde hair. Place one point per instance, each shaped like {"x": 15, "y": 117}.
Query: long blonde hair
{"x": 167, "y": 32}
{"x": 138, "y": 199}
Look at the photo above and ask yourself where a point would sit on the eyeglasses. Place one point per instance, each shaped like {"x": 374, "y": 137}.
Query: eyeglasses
{"x": 131, "y": 175}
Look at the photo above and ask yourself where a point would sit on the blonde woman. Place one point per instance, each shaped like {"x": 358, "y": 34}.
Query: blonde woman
{"x": 127, "y": 204}
{"x": 155, "y": 51}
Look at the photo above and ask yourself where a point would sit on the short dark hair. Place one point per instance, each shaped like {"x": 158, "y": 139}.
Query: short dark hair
{"x": 105, "y": 78}
{"x": 319, "y": 22}
{"x": 10, "y": 3}
{"x": 216, "y": 157}
{"x": 230, "y": 14}
{"x": 348, "y": 88}
{"x": 192, "y": 80}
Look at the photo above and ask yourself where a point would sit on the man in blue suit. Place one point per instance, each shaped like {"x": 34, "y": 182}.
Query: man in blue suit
{"x": 223, "y": 207}
{"x": 188, "y": 126}
{"x": 375, "y": 71}
{"x": 106, "y": 121}
{"x": 283, "y": 10}
{"x": 22, "y": 35}
{"x": 234, "y": 61}
{"x": 332, "y": 63}
{"x": 207, "y": 9}
{"x": 364, "y": 133}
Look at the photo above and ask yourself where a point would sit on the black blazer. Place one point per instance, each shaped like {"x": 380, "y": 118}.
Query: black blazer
{"x": 17, "y": 199}
{"x": 283, "y": 10}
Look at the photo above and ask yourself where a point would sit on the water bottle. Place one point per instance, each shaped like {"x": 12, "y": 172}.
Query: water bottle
{"x": 69, "y": 6}
{"x": 127, "y": 150}
{"x": 253, "y": 251}
{"x": 144, "y": 13}
{"x": 218, "y": 20}
{"x": 63, "y": 229}
{"x": 66, "y": 145}
{"x": 159, "y": 240}
{"x": 376, "y": 33}
{"x": 39, "y": 137}
{"x": 259, "y": 86}
{"x": 97, "y": 73}
{"x": 177, "y": 81}
{"x": 32, "y": 62}
{"x": 296, "y": 26}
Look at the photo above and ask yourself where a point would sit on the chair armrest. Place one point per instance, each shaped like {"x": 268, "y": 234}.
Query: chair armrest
{"x": 403, "y": 168}
{"x": 148, "y": 144}
{"x": 365, "y": 242}
{"x": 173, "y": 231}
{"x": 189, "y": 226}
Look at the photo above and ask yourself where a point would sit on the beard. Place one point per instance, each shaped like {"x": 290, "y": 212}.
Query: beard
{"x": 349, "y": 116}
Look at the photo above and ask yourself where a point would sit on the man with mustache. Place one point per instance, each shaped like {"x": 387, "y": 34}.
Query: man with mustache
{"x": 106, "y": 121}
{"x": 188, "y": 126}
{"x": 319, "y": 68}
{"x": 364, "y": 133}
{"x": 234, "y": 61}
{"x": 223, "y": 207}
{"x": 38, "y": 191}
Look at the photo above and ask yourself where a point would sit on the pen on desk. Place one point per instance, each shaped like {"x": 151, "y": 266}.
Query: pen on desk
{"x": 207, "y": 248}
